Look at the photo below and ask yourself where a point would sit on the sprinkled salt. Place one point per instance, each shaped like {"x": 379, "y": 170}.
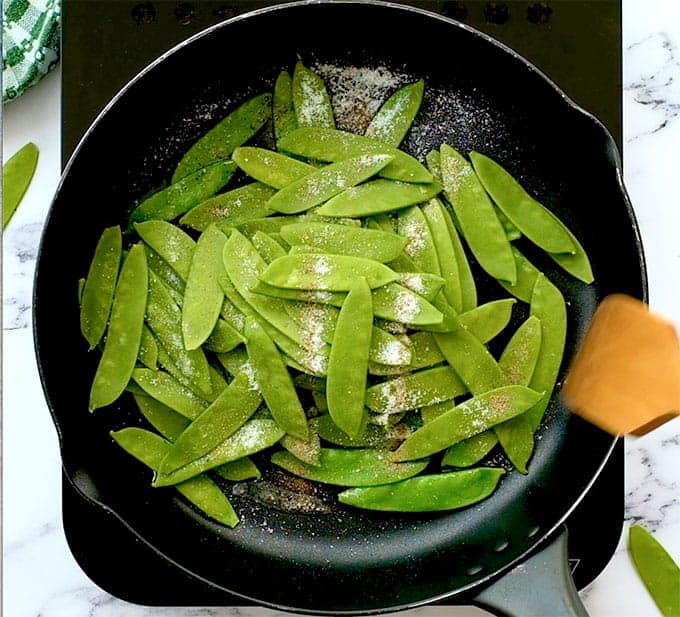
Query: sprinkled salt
{"x": 394, "y": 353}
{"x": 414, "y": 282}
{"x": 406, "y": 307}
{"x": 416, "y": 231}
{"x": 249, "y": 372}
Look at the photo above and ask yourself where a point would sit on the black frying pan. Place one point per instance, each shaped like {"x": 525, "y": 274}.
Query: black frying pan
{"x": 479, "y": 95}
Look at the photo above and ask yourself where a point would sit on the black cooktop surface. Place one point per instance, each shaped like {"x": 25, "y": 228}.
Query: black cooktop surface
{"x": 106, "y": 42}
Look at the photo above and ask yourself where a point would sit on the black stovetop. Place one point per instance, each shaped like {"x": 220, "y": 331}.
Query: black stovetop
{"x": 106, "y": 42}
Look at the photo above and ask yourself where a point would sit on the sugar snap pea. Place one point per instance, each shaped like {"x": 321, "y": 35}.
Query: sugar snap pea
{"x": 475, "y": 212}
{"x": 124, "y": 333}
{"x": 325, "y": 272}
{"x": 425, "y": 284}
{"x": 171, "y": 243}
{"x": 527, "y": 274}
{"x": 224, "y": 337}
{"x": 319, "y": 186}
{"x": 356, "y": 467}
{"x": 100, "y": 285}
{"x": 356, "y": 241}
{"x": 306, "y": 450}
{"x": 393, "y": 120}
{"x": 378, "y": 196}
{"x": 17, "y": 173}
{"x": 239, "y": 470}
{"x": 469, "y": 418}
{"x": 348, "y": 361}
{"x": 149, "y": 448}
{"x": 255, "y": 435}
{"x": 283, "y": 111}
{"x": 310, "y": 99}
{"x": 174, "y": 200}
{"x": 429, "y": 493}
{"x": 372, "y": 436}
{"x": 162, "y": 269}
{"x": 489, "y": 319}
{"x": 416, "y": 390}
{"x": 528, "y": 215}
{"x": 326, "y": 144}
{"x": 274, "y": 381}
{"x": 271, "y": 168}
{"x": 520, "y": 355}
{"x": 203, "y": 295}
{"x": 219, "y": 142}
{"x": 218, "y": 421}
{"x": 468, "y": 288}
{"x": 231, "y": 208}
{"x": 400, "y": 304}
{"x": 578, "y": 264}
{"x": 412, "y": 224}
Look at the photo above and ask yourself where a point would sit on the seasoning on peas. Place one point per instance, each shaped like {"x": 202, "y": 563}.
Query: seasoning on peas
{"x": 320, "y": 313}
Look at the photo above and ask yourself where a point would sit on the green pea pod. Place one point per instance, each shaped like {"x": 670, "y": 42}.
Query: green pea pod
{"x": 325, "y": 272}
{"x": 239, "y": 470}
{"x": 470, "y": 359}
{"x": 489, "y": 319}
{"x": 348, "y": 361}
{"x": 470, "y": 451}
{"x": 378, "y": 196}
{"x": 389, "y": 350}
{"x": 469, "y": 418}
{"x": 415, "y": 390}
{"x": 220, "y": 141}
{"x": 396, "y": 303}
{"x": 578, "y": 264}
{"x": 167, "y": 422}
{"x": 243, "y": 265}
{"x": 393, "y": 120}
{"x": 100, "y": 285}
{"x": 164, "y": 318}
{"x": 222, "y": 418}
{"x": 310, "y": 99}
{"x": 520, "y": 355}
{"x": 333, "y": 298}
{"x": 429, "y": 493}
{"x": 425, "y": 284}
{"x": 424, "y": 350}
{"x": 148, "y": 349}
{"x": 283, "y": 111}
{"x": 255, "y": 435}
{"x": 223, "y": 338}
{"x": 331, "y": 145}
{"x": 527, "y": 274}
{"x": 274, "y": 381}
{"x": 356, "y": 467}
{"x": 149, "y": 449}
{"x": 528, "y": 215}
{"x": 341, "y": 239}
{"x": 468, "y": 288}
{"x": 125, "y": 331}
{"x": 176, "y": 199}
{"x": 167, "y": 363}
{"x": 203, "y": 295}
{"x": 412, "y": 224}
{"x": 478, "y": 220}
{"x": 267, "y": 246}
{"x": 170, "y": 392}
{"x": 322, "y": 184}
{"x": 659, "y": 573}
{"x": 509, "y": 227}
{"x": 175, "y": 246}
{"x": 231, "y": 208}
{"x": 435, "y": 215}
{"x": 372, "y": 435}
{"x": 271, "y": 168}
{"x": 162, "y": 269}
{"x": 17, "y": 173}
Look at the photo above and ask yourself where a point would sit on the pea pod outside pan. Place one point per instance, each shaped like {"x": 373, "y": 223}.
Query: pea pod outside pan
{"x": 511, "y": 89}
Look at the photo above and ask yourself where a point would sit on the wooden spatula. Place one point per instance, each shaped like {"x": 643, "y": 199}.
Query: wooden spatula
{"x": 625, "y": 377}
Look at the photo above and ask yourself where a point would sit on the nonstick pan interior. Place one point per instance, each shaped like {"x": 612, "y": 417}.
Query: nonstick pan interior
{"x": 478, "y": 95}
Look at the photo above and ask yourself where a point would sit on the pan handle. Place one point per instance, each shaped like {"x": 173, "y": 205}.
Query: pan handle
{"x": 542, "y": 585}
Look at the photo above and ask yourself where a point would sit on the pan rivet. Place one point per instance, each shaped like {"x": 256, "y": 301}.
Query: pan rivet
{"x": 474, "y": 570}
{"x": 501, "y": 546}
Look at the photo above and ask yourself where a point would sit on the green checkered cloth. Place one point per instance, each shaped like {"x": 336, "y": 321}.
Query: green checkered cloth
{"x": 30, "y": 43}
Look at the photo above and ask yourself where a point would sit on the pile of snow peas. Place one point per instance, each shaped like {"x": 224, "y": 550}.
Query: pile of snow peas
{"x": 312, "y": 303}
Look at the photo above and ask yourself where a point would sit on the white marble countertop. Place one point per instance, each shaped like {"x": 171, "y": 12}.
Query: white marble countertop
{"x": 41, "y": 578}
